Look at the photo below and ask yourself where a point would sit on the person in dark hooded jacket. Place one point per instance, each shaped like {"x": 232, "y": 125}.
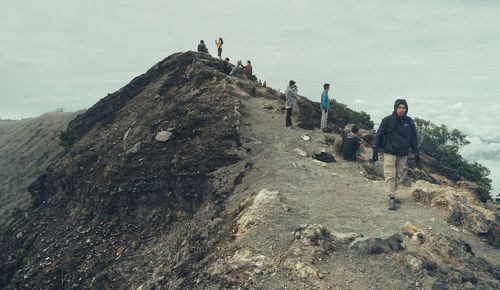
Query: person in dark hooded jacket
{"x": 350, "y": 145}
{"x": 396, "y": 134}
{"x": 202, "y": 47}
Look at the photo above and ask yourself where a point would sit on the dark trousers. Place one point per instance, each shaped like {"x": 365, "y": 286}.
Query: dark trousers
{"x": 288, "y": 119}
{"x": 219, "y": 52}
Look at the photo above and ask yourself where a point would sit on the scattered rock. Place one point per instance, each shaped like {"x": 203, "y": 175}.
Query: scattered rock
{"x": 375, "y": 245}
{"x": 125, "y": 137}
{"x": 163, "y": 136}
{"x": 252, "y": 215}
{"x": 301, "y": 152}
{"x": 480, "y": 193}
{"x": 311, "y": 242}
{"x": 242, "y": 265}
{"x": 465, "y": 212}
{"x": 134, "y": 149}
{"x": 413, "y": 232}
{"x": 438, "y": 285}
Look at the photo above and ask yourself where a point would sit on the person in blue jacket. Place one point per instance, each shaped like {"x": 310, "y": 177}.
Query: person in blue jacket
{"x": 325, "y": 106}
{"x": 396, "y": 135}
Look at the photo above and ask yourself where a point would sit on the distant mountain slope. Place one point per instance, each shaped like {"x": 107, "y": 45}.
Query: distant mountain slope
{"x": 26, "y": 147}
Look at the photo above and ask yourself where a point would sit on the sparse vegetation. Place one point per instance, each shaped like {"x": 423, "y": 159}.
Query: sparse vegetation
{"x": 342, "y": 116}
{"x": 444, "y": 145}
{"x": 188, "y": 120}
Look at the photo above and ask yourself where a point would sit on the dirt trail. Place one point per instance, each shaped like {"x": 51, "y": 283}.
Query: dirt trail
{"x": 336, "y": 195}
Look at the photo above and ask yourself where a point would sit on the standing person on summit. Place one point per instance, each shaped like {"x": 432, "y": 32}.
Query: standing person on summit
{"x": 325, "y": 106}
{"x": 396, "y": 135}
{"x": 291, "y": 99}
{"x": 202, "y": 47}
{"x": 218, "y": 44}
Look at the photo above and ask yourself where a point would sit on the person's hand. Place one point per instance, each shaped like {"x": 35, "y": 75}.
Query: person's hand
{"x": 375, "y": 155}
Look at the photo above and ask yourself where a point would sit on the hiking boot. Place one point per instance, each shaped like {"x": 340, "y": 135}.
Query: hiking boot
{"x": 392, "y": 203}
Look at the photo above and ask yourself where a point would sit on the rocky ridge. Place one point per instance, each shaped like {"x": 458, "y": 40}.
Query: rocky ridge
{"x": 186, "y": 179}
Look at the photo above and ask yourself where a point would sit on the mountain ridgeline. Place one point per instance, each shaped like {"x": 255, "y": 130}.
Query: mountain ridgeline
{"x": 161, "y": 185}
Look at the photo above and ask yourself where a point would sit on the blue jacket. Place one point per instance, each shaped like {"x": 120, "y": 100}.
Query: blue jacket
{"x": 325, "y": 102}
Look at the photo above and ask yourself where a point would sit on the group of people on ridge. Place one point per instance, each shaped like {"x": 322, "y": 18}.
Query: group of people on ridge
{"x": 218, "y": 44}
{"x": 229, "y": 68}
{"x": 396, "y": 135}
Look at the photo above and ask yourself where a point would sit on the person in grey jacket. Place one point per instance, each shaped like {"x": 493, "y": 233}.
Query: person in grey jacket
{"x": 396, "y": 135}
{"x": 291, "y": 100}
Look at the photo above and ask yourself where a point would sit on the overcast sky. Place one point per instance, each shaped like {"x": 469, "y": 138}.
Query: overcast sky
{"x": 442, "y": 55}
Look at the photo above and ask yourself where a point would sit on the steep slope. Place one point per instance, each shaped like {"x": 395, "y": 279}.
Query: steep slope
{"x": 26, "y": 148}
{"x": 187, "y": 179}
{"x": 136, "y": 162}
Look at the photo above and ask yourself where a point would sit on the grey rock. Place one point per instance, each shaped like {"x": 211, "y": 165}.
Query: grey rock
{"x": 134, "y": 149}
{"x": 163, "y": 136}
{"x": 438, "y": 285}
{"x": 469, "y": 277}
{"x": 28, "y": 243}
{"x": 455, "y": 217}
{"x": 374, "y": 245}
{"x": 455, "y": 277}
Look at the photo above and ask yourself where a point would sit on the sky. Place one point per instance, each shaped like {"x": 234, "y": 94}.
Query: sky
{"x": 441, "y": 55}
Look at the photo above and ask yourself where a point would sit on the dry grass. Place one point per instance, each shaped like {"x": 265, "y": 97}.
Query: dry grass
{"x": 26, "y": 148}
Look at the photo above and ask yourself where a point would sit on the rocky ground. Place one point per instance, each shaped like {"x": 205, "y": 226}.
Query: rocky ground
{"x": 187, "y": 179}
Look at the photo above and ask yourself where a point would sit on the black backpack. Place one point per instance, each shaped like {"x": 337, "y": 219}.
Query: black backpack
{"x": 324, "y": 157}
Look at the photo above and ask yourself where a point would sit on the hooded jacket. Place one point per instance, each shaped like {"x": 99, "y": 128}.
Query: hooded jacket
{"x": 350, "y": 146}
{"x": 397, "y": 134}
{"x": 202, "y": 48}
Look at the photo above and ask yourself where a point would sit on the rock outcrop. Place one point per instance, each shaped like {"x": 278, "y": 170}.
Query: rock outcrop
{"x": 441, "y": 261}
{"x": 464, "y": 210}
